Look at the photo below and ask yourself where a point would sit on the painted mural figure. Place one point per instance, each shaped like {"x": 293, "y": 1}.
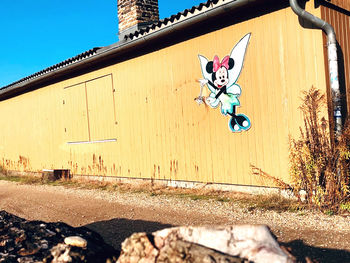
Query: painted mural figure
{"x": 220, "y": 77}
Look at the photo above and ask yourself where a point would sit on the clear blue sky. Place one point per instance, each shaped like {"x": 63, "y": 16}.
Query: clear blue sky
{"x": 35, "y": 34}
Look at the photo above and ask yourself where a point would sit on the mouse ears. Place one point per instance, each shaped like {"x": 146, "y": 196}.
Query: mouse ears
{"x": 233, "y": 62}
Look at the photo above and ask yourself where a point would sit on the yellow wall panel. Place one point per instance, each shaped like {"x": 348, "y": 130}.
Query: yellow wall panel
{"x": 100, "y": 105}
{"x": 147, "y": 105}
{"x": 76, "y": 125}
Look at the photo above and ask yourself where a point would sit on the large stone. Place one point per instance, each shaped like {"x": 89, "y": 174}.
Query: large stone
{"x": 235, "y": 244}
{"x": 252, "y": 242}
{"x": 139, "y": 248}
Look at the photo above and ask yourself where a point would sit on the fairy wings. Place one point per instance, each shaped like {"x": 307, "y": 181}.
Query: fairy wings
{"x": 238, "y": 55}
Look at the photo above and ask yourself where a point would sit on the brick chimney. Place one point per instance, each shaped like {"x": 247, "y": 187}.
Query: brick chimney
{"x": 136, "y": 14}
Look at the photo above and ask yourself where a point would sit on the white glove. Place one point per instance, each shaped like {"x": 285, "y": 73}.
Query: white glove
{"x": 210, "y": 100}
{"x": 202, "y": 82}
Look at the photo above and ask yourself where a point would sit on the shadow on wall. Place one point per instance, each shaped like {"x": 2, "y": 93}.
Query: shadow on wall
{"x": 115, "y": 231}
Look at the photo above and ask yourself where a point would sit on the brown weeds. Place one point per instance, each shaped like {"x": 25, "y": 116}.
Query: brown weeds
{"x": 319, "y": 167}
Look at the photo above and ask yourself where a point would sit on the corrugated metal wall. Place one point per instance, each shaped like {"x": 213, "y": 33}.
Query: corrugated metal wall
{"x": 138, "y": 118}
{"x": 338, "y": 15}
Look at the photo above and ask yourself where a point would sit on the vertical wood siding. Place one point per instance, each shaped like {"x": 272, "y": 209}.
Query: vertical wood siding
{"x": 345, "y": 4}
{"x": 147, "y": 105}
{"x": 339, "y": 18}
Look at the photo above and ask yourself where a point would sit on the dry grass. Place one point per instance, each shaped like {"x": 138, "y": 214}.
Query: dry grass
{"x": 272, "y": 202}
{"x": 251, "y": 202}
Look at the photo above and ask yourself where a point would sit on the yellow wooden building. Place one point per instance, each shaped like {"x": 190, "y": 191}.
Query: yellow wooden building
{"x": 128, "y": 110}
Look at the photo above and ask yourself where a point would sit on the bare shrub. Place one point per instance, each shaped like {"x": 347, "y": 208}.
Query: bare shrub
{"x": 319, "y": 166}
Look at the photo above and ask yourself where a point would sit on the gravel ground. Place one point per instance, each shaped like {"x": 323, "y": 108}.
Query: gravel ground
{"x": 115, "y": 215}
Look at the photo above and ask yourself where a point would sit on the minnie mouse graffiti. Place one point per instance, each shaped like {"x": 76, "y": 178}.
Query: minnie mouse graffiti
{"x": 220, "y": 78}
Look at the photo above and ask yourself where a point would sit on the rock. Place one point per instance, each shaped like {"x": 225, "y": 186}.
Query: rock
{"x": 235, "y": 244}
{"x": 252, "y": 242}
{"x": 36, "y": 241}
{"x": 60, "y": 254}
{"x": 182, "y": 251}
{"x": 138, "y": 248}
{"x": 75, "y": 241}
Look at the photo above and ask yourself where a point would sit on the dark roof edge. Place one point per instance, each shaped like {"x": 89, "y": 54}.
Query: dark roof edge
{"x": 93, "y": 55}
{"x": 64, "y": 63}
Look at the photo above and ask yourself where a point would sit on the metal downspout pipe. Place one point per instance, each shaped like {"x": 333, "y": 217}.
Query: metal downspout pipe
{"x": 332, "y": 61}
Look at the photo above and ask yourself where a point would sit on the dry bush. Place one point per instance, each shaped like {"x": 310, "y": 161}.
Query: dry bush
{"x": 319, "y": 166}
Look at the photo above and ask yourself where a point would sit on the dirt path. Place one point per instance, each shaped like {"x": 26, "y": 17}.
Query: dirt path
{"x": 117, "y": 215}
